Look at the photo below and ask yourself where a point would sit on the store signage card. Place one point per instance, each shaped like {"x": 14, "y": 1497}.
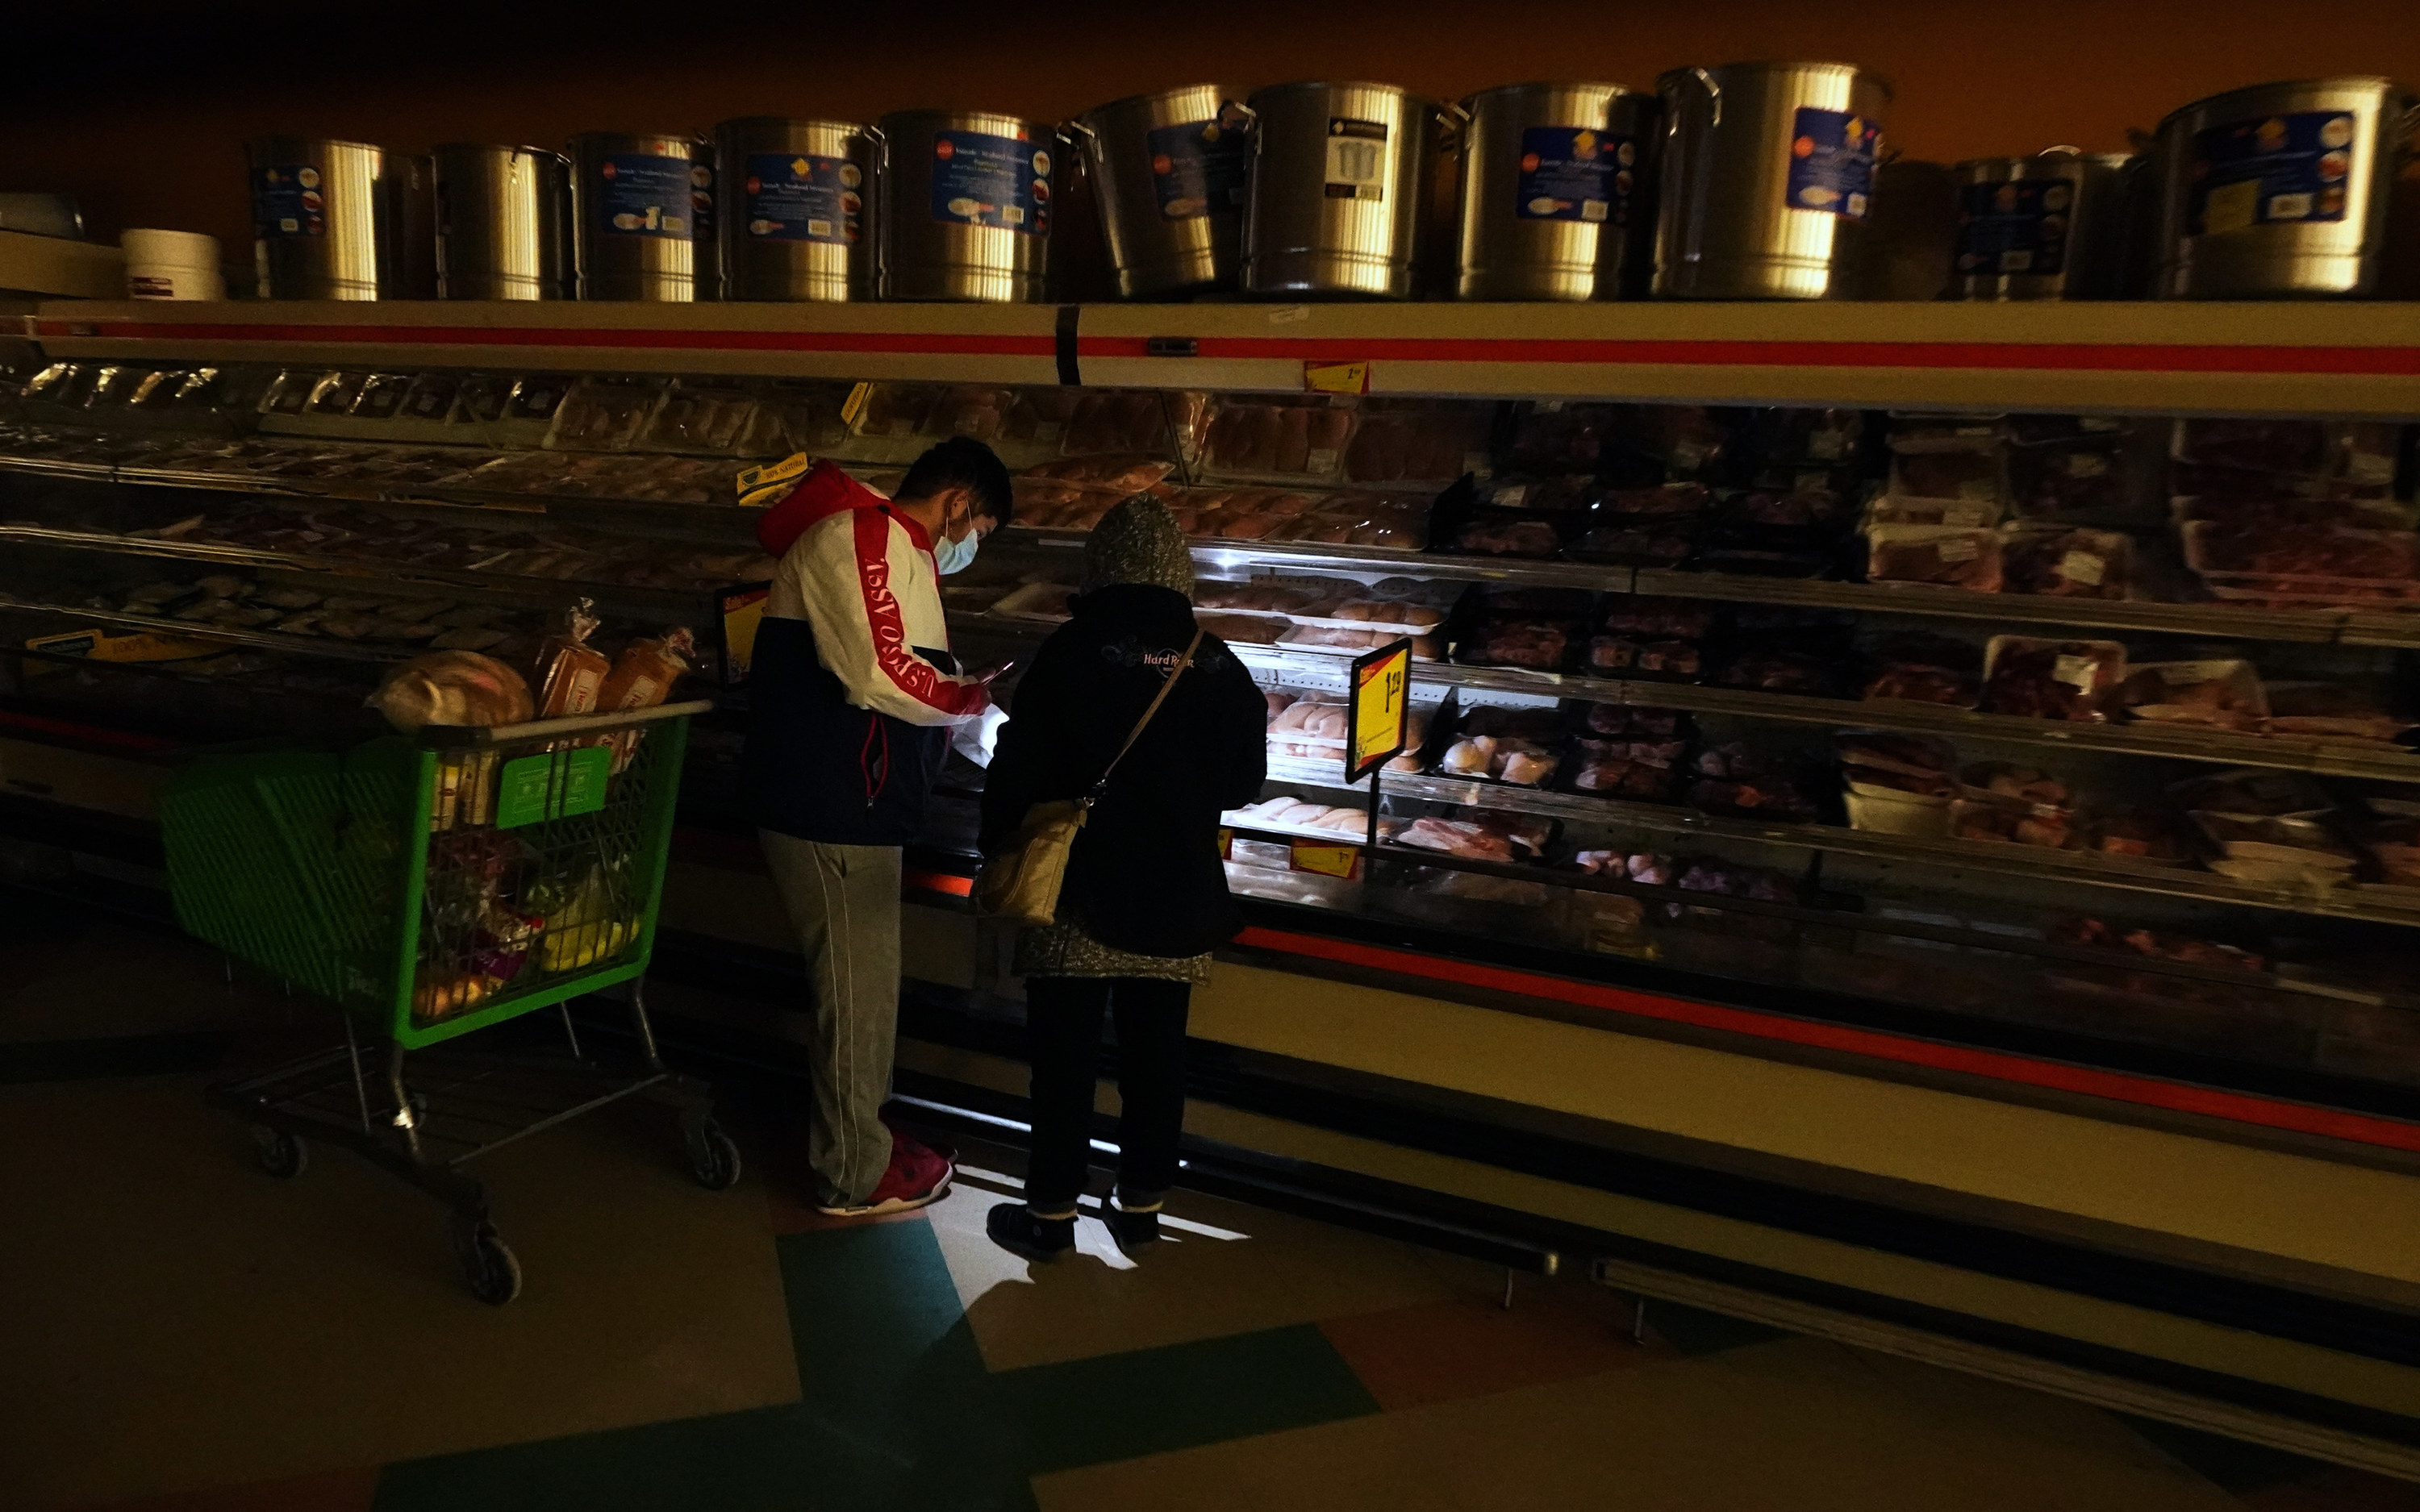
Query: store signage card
{"x": 1381, "y": 702}
{"x": 559, "y": 784}
{"x": 741, "y": 610}
{"x": 1325, "y": 860}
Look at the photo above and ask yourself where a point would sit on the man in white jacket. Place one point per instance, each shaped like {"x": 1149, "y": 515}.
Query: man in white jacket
{"x": 852, "y": 694}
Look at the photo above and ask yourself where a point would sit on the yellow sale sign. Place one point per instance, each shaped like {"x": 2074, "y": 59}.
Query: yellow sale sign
{"x": 1381, "y": 700}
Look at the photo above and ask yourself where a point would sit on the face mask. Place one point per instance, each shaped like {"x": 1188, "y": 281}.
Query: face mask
{"x": 955, "y": 556}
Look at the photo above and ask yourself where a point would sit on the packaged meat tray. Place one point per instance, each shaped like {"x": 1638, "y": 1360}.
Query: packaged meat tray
{"x": 2333, "y": 711}
{"x": 2222, "y": 694}
{"x": 1557, "y": 435}
{"x": 1923, "y": 668}
{"x": 1044, "y": 603}
{"x": 2294, "y": 447}
{"x": 1282, "y": 442}
{"x": 1613, "y": 655}
{"x": 894, "y": 411}
{"x": 1121, "y": 475}
{"x": 699, "y": 419}
{"x": 1667, "y": 501}
{"x": 1352, "y": 642}
{"x": 1311, "y": 821}
{"x": 1495, "y": 534}
{"x": 2253, "y": 792}
{"x": 1549, "y": 495}
{"x": 1891, "y": 509}
{"x": 2060, "y": 481}
{"x": 2287, "y": 560}
{"x": 1613, "y": 769}
{"x": 1401, "y": 616}
{"x": 1130, "y": 421}
{"x": 2135, "y": 836}
{"x": 1990, "y": 821}
{"x": 2394, "y": 849}
{"x": 2066, "y": 564}
{"x": 2277, "y": 852}
{"x": 603, "y": 415}
{"x": 1544, "y": 646}
{"x": 1047, "y": 504}
{"x": 1781, "y": 672}
{"x": 1481, "y": 835}
{"x": 2286, "y": 512}
{"x": 1959, "y": 474}
{"x": 1641, "y": 541}
{"x": 1243, "y": 629}
{"x": 1505, "y": 759}
{"x": 1236, "y": 514}
{"x": 1946, "y": 555}
{"x": 2051, "y": 679}
{"x": 1311, "y": 597}
{"x": 1316, "y": 724}
{"x": 1427, "y": 441}
{"x": 2019, "y": 789}
{"x": 1652, "y": 868}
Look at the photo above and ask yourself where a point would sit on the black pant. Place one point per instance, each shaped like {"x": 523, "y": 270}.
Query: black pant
{"x": 1063, "y": 1019}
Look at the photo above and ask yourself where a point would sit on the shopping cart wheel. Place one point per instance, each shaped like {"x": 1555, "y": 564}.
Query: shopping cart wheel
{"x": 488, "y": 1265}
{"x": 282, "y": 1154}
{"x": 713, "y": 1159}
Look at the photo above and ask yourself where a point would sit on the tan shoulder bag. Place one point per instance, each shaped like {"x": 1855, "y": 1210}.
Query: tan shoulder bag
{"x": 1021, "y": 884}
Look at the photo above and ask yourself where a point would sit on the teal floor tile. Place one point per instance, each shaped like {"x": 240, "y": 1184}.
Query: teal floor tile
{"x": 1121, "y": 1406}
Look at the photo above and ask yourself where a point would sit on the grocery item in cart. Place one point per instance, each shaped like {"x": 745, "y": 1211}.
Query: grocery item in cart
{"x": 644, "y": 675}
{"x": 2051, "y": 679}
{"x": 451, "y": 688}
{"x": 571, "y": 672}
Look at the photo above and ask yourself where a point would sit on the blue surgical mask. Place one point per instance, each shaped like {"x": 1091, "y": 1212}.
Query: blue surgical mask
{"x": 955, "y": 556}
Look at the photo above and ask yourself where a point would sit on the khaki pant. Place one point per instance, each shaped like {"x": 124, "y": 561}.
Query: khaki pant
{"x": 844, "y": 901}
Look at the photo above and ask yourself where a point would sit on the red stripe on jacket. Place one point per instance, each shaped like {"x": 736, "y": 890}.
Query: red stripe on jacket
{"x": 911, "y": 674}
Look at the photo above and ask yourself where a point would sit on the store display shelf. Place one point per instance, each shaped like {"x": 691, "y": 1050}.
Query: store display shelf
{"x": 181, "y": 629}
{"x": 2305, "y": 358}
{"x": 2376, "y": 905}
{"x": 518, "y": 591}
{"x": 2184, "y": 743}
{"x": 2307, "y": 627}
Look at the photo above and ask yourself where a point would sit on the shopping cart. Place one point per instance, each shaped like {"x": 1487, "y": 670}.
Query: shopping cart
{"x": 429, "y": 888}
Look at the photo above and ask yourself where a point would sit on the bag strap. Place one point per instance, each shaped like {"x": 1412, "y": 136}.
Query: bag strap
{"x": 1136, "y": 734}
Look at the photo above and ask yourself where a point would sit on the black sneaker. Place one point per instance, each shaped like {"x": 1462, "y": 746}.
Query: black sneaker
{"x": 1131, "y": 1232}
{"x": 1014, "y": 1227}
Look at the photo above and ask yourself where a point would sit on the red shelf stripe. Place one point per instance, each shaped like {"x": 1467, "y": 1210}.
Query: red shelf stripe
{"x": 2145, "y": 1091}
{"x": 772, "y": 340}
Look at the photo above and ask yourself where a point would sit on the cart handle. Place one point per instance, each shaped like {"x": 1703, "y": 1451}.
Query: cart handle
{"x": 449, "y": 735}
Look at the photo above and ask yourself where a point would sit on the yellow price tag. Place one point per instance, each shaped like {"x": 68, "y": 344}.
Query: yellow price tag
{"x": 743, "y": 611}
{"x": 752, "y": 479}
{"x": 1325, "y": 860}
{"x": 1336, "y": 378}
{"x": 854, "y": 405}
{"x": 1378, "y": 721}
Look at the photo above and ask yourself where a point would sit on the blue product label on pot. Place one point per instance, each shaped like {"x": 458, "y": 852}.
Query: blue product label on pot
{"x": 796, "y": 196}
{"x": 639, "y": 194}
{"x": 982, "y": 179}
{"x": 1574, "y": 173}
{"x": 2272, "y": 169}
{"x": 2017, "y": 227}
{"x": 1200, "y": 167}
{"x": 286, "y": 201}
{"x": 1832, "y": 157}
{"x": 701, "y": 200}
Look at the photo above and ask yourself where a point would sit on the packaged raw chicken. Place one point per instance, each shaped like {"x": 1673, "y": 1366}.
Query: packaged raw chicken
{"x": 2019, "y": 789}
{"x": 1285, "y": 440}
{"x": 2333, "y": 711}
{"x": 1990, "y": 821}
{"x": 2277, "y": 852}
{"x": 1121, "y": 475}
{"x": 2253, "y": 792}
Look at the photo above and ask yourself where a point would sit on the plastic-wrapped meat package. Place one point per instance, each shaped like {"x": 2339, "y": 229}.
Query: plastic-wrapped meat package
{"x": 1725, "y": 880}
{"x": 699, "y": 419}
{"x": 2052, "y": 679}
{"x": 599, "y": 415}
{"x": 1646, "y": 658}
{"x": 1779, "y": 672}
{"x": 896, "y": 411}
{"x": 1779, "y": 796}
{"x": 2286, "y": 553}
{"x": 1900, "y": 763}
{"x": 1563, "y": 493}
{"x": 1925, "y": 668}
{"x": 2284, "y": 446}
{"x": 1551, "y": 436}
{"x": 2077, "y": 564}
{"x": 1687, "y": 438}
{"x": 1122, "y": 475}
{"x": 968, "y": 409}
{"x": 1651, "y": 542}
{"x": 2222, "y": 694}
{"x": 1541, "y": 645}
{"x": 2135, "y": 836}
{"x": 1435, "y": 443}
{"x": 2332, "y": 710}
{"x": 1471, "y": 842}
{"x": 1610, "y": 767}
{"x": 1946, "y": 475}
{"x": 2042, "y": 829}
{"x": 1503, "y": 537}
{"x": 1948, "y": 556}
{"x": 1804, "y": 509}
{"x": 2052, "y": 481}
{"x": 1116, "y": 422}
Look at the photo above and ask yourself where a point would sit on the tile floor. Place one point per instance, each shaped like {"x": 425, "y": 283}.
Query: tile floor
{"x": 178, "y": 1330}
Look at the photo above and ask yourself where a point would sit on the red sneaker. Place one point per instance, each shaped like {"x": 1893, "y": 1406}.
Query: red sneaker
{"x": 916, "y": 1178}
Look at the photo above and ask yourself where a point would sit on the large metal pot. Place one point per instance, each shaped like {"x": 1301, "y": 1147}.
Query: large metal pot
{"x": 501, "y": 223}
{"x": 967, "y": 205}
{"x": 322, "y": 217}
{"x": 2280, "y": 189}
{"x": 705, "y": 219}
{"x": 2046, "y": 228}
{"x": 1171, "y": 172}
{"x": 799, "y": 192}
{"x": 1339, "y": 200}
{"x": 633, "y": 208}
{"x": 1556, "y": 198}
{"x": 1767, "y": 179}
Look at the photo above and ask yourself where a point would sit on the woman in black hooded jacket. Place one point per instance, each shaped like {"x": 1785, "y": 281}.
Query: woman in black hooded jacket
{"x": 1145, "y": 898}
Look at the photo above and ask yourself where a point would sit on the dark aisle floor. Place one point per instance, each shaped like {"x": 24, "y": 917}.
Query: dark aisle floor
{"x": 183, "y": 1332}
